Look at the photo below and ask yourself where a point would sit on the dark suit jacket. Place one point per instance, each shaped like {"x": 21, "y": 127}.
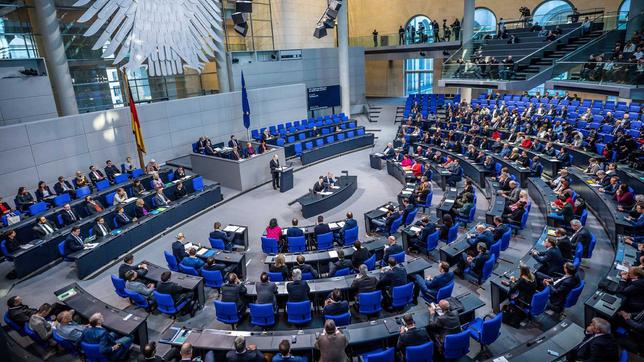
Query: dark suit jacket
{"x": 121, "y": 221}
{"x": 634, "y": 292}
{"x": 364, "y": 284}
{"x": 306, "y": 268}
{"x": 602, "y": 348}
{"x": 72, "y": 245}
{"x": 98, "y": 232}
{"x": 485, "y": 237}
{"x": 274, "y": 165}
{"x": 359, "y": 257}
{"x": 318, "y": 187}
{"x": 413, "y": 337}
{"x": 138, "y": 211}
{"x": 583, "y": 236}
{"x": 426, "y": 231}
{"x": 40, "y": 196}
{"x": 219, "y": 234}
{"x": 551, "y": 261}
{"x": 566, "y": 248}
{"x": 179, "y": 251}
{"x": 24, "y": 201}
{"x": 124, "y": 268}
{"x": 266, "y": 293}
{"x": 395, "y": 277}
{"x": 336, "y": 308}
{"x": 67, "y": 218}
{"x": 234, "y": 293}
{"x": 476, "y": 266}
{"x": 322, "y": 229}
{"x": 93, "y": 178}
{"x": 559, "y": 292}
{"x": 110, "y": 171}
{"x": 448, "y": 323}
{"x": 440, "y": 280}
{"x": 394, "y": 249}
{"x": 59, "y": 188}
{"x": 171, "y": 288}
{"x": 89, "y": 209}
{"x": 39, "y": 231}
{"x": 298, "y": 291}
{"x": 294, "y": 231}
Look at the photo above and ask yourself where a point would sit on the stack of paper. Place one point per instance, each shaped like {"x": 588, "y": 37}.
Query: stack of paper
{"x": 231, "y": 228}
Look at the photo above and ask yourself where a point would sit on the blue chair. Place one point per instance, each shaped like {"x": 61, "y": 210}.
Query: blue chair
{"x": 486, "y": 331}
{"x": 166, "y": 305}
{"x": 411, "y": 216}
{"x": 296, "y": 244}
{"x": 5, "y": 251}
{"x": 135, "y": 173}
{"x": 325, "y": 241}
{"x": 34, "y": 336}
{"x": 13, "y": 324}
{"x": 109, "y": 198}
{"x": 119, "y": 179}
{"x": 371, "y": 262}
{"x": 212, "y": 278}
{"x": 370, "y": 303}
{"x": 495, "y": 249}
{"x": 298, "y": 313}
{"x": 61, "y": 251}
{"x": 269, "y": 246}
{"x": 68, "y": 346}
{"x": 623, "y": 356}
{"x": 102, "y": 184}
{"x": 262, "y": 315}
{"x": 420, "y": 353}
{"x": 538, "y": 304}
{"x": 138, "y": 299}
{"x": 395, "y": 225}
{"x": 505, "y": 240}
{"x": 430, "y": 243}
{"x": 386, "y": 355}
{"x": 81, "y": 192}
{"x": 524, "y": 221}
{"x": 298, "y": 148}
{"x": 452, "y": 233}
{"x": 307, "y": 276}
{"x": 217, "y": 244}
{"x": 172, "y": 261}
{"x": 342, "y": 272}
{"x": 119, "y": 286}
{"x": 400, "y": 257}
{"x": 343, "y": 319}
{"x": 92, "y": 352}
{"x": 38, "y": 208}
{"x": 402, "y": 296}
{"x": 197, "y": 183}
{"x": 456, "y": 345}
{"x": 485, "y": 273}
{"x": 275, "y": 277}
{"x": 573, "y": 295}
{"x": 350, "y": 236}
{"x": 428, "y": 202}
{"x": 445, "y": 292}
{"x": 591, "y": 246}
{"x": 62, "y": 199}
{"x": 470, "y": 216}
{"x": 188, "y": 270}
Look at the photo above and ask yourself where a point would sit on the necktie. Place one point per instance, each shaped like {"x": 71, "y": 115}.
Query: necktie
{"x": 102, "y": 227}
{"x": 48, "y": 229}
{"x": 145, "y": 212}
{"x": 71, "y": 214}
{"x": 97, "y": 208}
{"x": 125, "y": 218}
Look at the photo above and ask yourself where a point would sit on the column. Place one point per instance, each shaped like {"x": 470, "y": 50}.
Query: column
{"x": 221, "y": 57}
{"x": 54, "y": 54}
{"x": 343, "y": 58}
{"x": 636, "y": 8}
{"x": 468, "y": 25}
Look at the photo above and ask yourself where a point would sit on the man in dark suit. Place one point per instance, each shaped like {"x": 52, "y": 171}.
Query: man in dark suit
{"x": 389, "y": 151}
{"x": 63, "y": 186}
{"x": 178, "y": 249}
{"x": 563, "y": 244}
{"x": 173, "y": 289}
{"x": 234, "y": 291}
{"x": 101, "y": 229}
{"x": 359, "y": 255}
{"x": 18, "y": 312}
{"x": 298, "y": 290}
{"x": 407, "y": 207}
{"x": 68, "y": 215}
{"x": 349, "y": 223}
{"x": 334, "y": 305}
{"x": 43, "y": 228}
{"x": 128, "y": 264}
{"x": 218, "y": 233}
{"x": 160, "y": 199}
{"x": 580, "y": 234}
{"x": 384, "y": 223}
{"x": 266, "y": 291}
{"x": 391, "y": 248}
{"x": 73, "y": 242}
{"x": 305, "y": 268}
{"x": 121, "y": 217}
{"x": 341, "y": 263}
{"x": 430, "y": 286}
{"x": 631, "y": 287}
{"x": 560, "y": 288}
{"x": 232, "y": 143}
{"x": 394, "y": 277}
{"x": 111, "y": 170}
{"x": 499, "y": 228}
{"x": 442, "y": 325}
{"x": 483, "y": 235}
{"x": 95, "y": 175}
{"x": 364, "y": 283}
{"x": 294, "y": 231}
{"x": 598, "y": 344}
{"x": 275, "y": 165}
{"x": 551, "y": 260}
{"x": 426, "y": 228}
{"x": 475, "y": 263}
{"x": 321, "y": 227}
{"x": 410, "y": 335}
{"x": 319, "y": 186}
{"x": 192, "y": 260}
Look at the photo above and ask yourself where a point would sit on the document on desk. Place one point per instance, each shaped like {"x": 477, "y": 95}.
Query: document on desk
{"x": 325, "y": 193}
{"x": 333, "y": 225}
{"x": 188, "y": 246}
{"x": 202, "y": 251}
{"x": 334, "y": 187}
{"x": 383, "y": 209}
{"x": 333, "y": 254}
{"x": 131, "y": 199}
{"x": 500, "y": 359}
{"x": 240, "y": 230}
{"x": 341, "y": 224}
{"x": 449, "y": 200}
{"x": 415, "y": 229}
{"x": 90, "y": 246}
{"x": 405, "y": 192}
{"x": 621, "y": 267}
{"x": 230, "y": 229}
{"x": 378, "y": 154}
{"x": 26, "y": 246}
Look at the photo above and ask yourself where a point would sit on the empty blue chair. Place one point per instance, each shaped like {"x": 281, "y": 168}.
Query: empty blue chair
{"x": 371, "y": 262}
{"x": 62, "y": 199}
{"x": 38, "y": 208}
{"x": 386, "y": 355}
{"x": 188, "y": 270}
{"x": 102, "y": 185}
{"x": 262, "y": 315}
{"x": 470, "y": 216}
{"x": 275, "y": 276}
{"x": 342, "y": 272}
{"x": 420, "y": 353}
{"x": 360, "y": 132}
{"x": 430, "y": 243}
{"x": 428, "y": 200}
{"x": 255, "y": 134}
{"x": 340, "y": 136}
{"x": 573, "y": 295}
{"x": 445, "y": 292}
{"x": 92, "y": 352}
{"x": 13, "y": 324}
{"x": 402, "y": 295}
{"x": 217, "y": 244}
{"x": 307, "y": 276}
{"x": 591, "y": 246}
{"x": 197, "y": 184}
{"x": 308, "y": 145}
{"x": 81, "y": 192}
{"x": 495, "y": 249}
{"x": 623, "y": 356}
{"x": 485, "y": 331}
{"x": 456, "y": 345}
{"x": 350, "y": 236}
{"x": 395, "y": 225}
{"x": 325, "y": 241}
{"x": 280, "y": 142}
{"x": 34, "y": 336}
{"x": 138, "y": 299}
{"x": 61, "y": 251}
{"x": 119, "y": 286}
{"x": 59, "y": 219}
{"x": 296, "y": 244}
{"x": 452, "y": 233}
{"x": 298, "y": 313}
{"x": 350, "y": 134}
{"x": 172, "y": 261}
{"x": 538, "y": 303}
{"x": 319, "y": 142}
{"x": 298, "y": 149}
{"x": 120, "y": 178}
{"x": 212, "y": 278}
{"x": 109, "y": 198}
{"x": 411, "y": 216}
{"x": 166, "y": 305}
{"x": 343, "y": 319}
{"x": 135, "y": 173}
{"x": 227, "y": 313}
{"x": 505, "y": 240}
{"x": 269, "y": 245}
{"x": 370, "y": 303}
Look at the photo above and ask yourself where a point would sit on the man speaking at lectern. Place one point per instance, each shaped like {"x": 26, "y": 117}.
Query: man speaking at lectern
{"x": 275, "y": 165}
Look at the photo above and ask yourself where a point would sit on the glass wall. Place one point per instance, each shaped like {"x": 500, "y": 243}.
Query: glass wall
{"x": 419, "y": 30}
{"x": 419, "y": 76}
{"x": 552, "y": 11}
{"x": 16, "y": 36}
{"x": 260, "y": 28}
{"x": 484, "y": 20}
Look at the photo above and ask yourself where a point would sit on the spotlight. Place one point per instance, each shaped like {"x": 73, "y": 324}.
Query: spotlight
{"x": 320, "y": 31}
{"x": 328, "y": 18}
{"x": 240, "y": 16}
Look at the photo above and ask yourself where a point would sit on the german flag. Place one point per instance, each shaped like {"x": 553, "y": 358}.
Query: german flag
{"x": 136, "y": 126}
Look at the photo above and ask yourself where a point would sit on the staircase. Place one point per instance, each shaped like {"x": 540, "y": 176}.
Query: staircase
{"x": 374, "y": 113}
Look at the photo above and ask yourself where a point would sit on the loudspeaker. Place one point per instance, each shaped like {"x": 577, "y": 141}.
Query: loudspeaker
{"x": 320, "y": 31}
{"x": 335, "y": 5}
{"x": 241, "y": 29}
{"x": 331, "y": 13}
{"x": 328, "y": 22}
{"x": 239, "y": 18}
{"x": 244, "y": 6}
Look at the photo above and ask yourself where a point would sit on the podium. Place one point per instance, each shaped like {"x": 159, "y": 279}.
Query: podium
{"x": 375, "y": 159}
{"x": 286, "y": 178}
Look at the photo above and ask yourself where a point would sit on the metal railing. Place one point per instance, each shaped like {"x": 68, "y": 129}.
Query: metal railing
{"x": 601, "y": 73}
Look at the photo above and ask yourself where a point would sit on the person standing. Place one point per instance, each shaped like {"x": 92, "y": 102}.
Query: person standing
{"x": 332, "y": 344}
{"x": 401, "y": 35}
{"x": 375, "y": 37}
{"x": 275, "y": 165}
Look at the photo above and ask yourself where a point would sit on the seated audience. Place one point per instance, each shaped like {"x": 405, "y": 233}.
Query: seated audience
{"x": 298, "y": 289}
{"x": 112, "y": 346}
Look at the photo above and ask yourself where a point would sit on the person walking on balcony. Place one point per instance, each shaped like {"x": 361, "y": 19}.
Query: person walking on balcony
{"x": 375, "y": 37}
{"x": 401, "y": 35}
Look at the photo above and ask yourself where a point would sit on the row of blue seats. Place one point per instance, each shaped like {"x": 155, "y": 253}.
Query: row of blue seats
{"x": 292, "y": 127}
{"x": 301, "y": 146}
{"x": 324, "y": 131}
{"x": 634, "y": 106}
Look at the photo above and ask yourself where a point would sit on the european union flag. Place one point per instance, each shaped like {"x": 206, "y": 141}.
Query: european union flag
{"x": 245, "y": 105}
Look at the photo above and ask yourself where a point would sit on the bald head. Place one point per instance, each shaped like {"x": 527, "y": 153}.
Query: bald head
{"x": 444, "y": 305}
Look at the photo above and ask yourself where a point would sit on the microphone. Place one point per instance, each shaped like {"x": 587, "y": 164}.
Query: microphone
{"x": 345, "y": 172}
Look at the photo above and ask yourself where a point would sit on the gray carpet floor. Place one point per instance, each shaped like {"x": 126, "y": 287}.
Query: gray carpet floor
{"x": 256, "y": 207}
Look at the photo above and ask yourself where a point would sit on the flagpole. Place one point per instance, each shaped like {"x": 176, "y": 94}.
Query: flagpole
{"x": 125, "y": 94}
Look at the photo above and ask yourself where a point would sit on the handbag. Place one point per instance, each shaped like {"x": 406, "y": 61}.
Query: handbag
{"x": 12, "y": 218}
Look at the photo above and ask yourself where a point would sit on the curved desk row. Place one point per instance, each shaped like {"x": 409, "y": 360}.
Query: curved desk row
{"x": 226, "y": 257}
{"x": 191, "y": 283}
{"x": 337, "y": 147}
{"x": 316, "y": 204}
